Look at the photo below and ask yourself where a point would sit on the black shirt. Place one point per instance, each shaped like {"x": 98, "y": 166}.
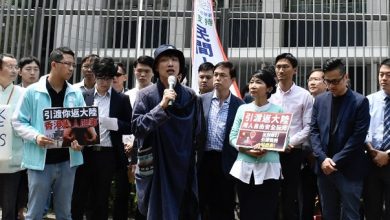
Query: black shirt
{"x": 336, "y": 106}
{"x": 56, "y": 155}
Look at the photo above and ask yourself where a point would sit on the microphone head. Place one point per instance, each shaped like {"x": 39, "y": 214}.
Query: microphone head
{"x": 172, "y": 80}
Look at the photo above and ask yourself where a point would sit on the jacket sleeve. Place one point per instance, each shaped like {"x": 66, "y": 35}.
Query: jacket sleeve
{"x": 236, "y": 127}
{"x": 124, "y": 123}
{"x": 21, "y": 119}
{"x": 315, "y": 136}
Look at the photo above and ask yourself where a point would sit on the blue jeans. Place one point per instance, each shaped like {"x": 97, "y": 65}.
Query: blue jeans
{"x": 340, "y": 197}
{"x": 59, "y": 179}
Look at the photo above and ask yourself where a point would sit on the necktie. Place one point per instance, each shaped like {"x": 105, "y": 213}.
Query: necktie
{"x": 386, "y": 125}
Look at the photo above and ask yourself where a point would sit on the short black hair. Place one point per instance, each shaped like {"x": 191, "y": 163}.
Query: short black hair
{"x": 333, "y": 64}
{"x": 289, "y": 57}
{"x": 206, "y": 66}
{"x": 385, "y": 62}
{"x": 2, "y": 55}
{"x": 90, "y": 56}
{"x": 27, "y": 60}
{"x": 229, "y": 65}
{"x": 267, "y": 75}
{"x": 145, "y": 60}
{"x": 104, "y": 67}
{"x": 57, "y": 55}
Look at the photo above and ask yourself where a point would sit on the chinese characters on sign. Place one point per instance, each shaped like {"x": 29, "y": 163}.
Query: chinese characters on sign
{"x": 65, "y": 125}
{"x": 268, "y": 129}
{"x": 5, "y": 132}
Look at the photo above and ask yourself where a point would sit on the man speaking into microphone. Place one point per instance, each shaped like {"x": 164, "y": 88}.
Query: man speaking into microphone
{"x": 166, "y": 120}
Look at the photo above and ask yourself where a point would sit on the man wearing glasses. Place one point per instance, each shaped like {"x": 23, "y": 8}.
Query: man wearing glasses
{"x": 296, "y": 100}
{"x": 49, "y": 169}
{"x": 93, "y": 178}
{"x": 339, "y": 126}
{"x": 88, "y": 81}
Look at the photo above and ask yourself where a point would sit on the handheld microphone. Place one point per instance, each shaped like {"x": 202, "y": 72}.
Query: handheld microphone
{"x": 171, "y": 83}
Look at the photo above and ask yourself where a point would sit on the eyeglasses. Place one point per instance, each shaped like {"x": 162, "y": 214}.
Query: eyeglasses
{"x": 67, "y": 63}
{"x": 334, "y": 81}
{"x": 315, "y": 80}
{"x": 119, "y": 74}
{"x": 12, "y": 67}
{"x": 87, "y": 66}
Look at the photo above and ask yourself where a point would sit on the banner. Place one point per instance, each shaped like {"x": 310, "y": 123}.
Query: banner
{"x": 206, "y": 45}
{"x": 268, "y": 129}
{"x": 5, "y": 132}
{"x": 65, "y": 125}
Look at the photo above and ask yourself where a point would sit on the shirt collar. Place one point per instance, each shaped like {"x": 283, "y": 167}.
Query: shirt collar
{"x": 226, "y": 101}
{"x": 108, "y": 94}
{"x": 8, "y": 88}
{"x": 288, "y": 91}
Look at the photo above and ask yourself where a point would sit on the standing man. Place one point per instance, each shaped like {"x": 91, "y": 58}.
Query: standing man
{"x": 216, "y": 185}
{"x": 93, "y": 178}
{"x": 143, "y": 72}
{"x": 308, "y": 188}
{"x": 377, "y": 184}
{"x": 49, "y": 169}
{"x": 205, "y": 77}
{"x": 165, "y": 124}
{"x": 120, "y": 78}
{"x": 28, "y": 70}
{"x": 10, "y": 171}
{"x": 339, "y": 127}
{"x": 296, "y": 100}
{"x": 89, "y": 80}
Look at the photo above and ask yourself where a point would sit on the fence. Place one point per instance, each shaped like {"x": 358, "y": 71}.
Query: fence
{"x": 253, "y": 32}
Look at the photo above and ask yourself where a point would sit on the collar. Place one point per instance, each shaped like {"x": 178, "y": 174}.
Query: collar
{"x": 225, "y": 101}
{"x": 48, "y": 86}
{"x": 288, "y": 91}
{"x": 108, "y": 94}
{"x": 6, "y": 89}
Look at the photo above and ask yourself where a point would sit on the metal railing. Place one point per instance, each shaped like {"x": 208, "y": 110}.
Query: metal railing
{"x": 253, "y": 32}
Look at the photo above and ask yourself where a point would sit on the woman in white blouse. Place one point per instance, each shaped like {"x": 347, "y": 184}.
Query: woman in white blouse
{"x": 257, "y": 170}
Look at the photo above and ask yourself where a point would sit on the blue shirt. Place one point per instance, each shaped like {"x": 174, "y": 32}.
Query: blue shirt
{"x": 377, "y": 109}
{"x": 217, "y": 123}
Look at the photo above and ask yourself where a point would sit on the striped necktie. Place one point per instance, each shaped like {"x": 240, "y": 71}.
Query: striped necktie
{"x": 386, "y": 125}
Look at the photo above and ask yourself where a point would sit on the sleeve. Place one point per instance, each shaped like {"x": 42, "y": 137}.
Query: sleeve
{"x": 315, "y": 137}
{"x": 236, "y": 127}
{"x": 146, "y": 119}
{"x": 21, "y": 119}
{"x": 124, "y": 123}
{"x": 301, "y": 136}
{"x": 356, "y": 140}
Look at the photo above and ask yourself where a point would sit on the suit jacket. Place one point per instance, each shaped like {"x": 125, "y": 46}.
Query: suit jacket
{"x": 120, "y": 108}
{"x": 349, "y": 134}
{"x": 229, "y": 153}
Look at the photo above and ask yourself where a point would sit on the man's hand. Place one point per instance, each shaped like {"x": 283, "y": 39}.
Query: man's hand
{"x": 169, "y": 94}
{"x": 43, "y": 141}
{"x": 288, "y": 148}
{"x": 328, "y": 166}
{"x": 128, "y": 149}
{"x": 381, "y": 158}
{"x": 76, "y": 146}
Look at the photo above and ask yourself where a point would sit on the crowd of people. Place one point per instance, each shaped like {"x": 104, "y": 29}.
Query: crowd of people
{"x": 180, "y": 147}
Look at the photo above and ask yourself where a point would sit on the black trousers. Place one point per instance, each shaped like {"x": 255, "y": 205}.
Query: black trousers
{"x": 308, "y": 192}
{"x": 376, "y": 193}
{"x": 258, "y": 202}
{"x": 9, "y": 185}
{"x": 216, "y": 190}
{"x": 291, "y": 166}
{"x": 122, "y": 191}
{"x": 92, "y": 185}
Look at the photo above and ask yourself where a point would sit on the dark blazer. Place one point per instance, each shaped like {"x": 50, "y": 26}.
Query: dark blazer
{"x": 349, "y": 135}
{"x": 120, "y": 108}
{"x": 229, "y": 153}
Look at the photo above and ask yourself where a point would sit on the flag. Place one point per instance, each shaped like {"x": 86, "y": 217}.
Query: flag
{"x": 206, "y": 45}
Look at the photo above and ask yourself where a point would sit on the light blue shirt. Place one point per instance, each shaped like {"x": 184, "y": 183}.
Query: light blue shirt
{"x": 103, "y": 104}
{"x": 216, "y": 124}
{"x": 377, "y": 109}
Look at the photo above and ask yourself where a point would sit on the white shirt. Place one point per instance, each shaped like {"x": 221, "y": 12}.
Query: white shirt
{"x": 377, "y": 110}
{"x": 103, "y": 104}
{"x": 81, "y": 85}
{"x": 298, "y": 101}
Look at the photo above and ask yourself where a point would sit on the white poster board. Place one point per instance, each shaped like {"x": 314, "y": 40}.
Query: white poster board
{"x": 5, "y": 132}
